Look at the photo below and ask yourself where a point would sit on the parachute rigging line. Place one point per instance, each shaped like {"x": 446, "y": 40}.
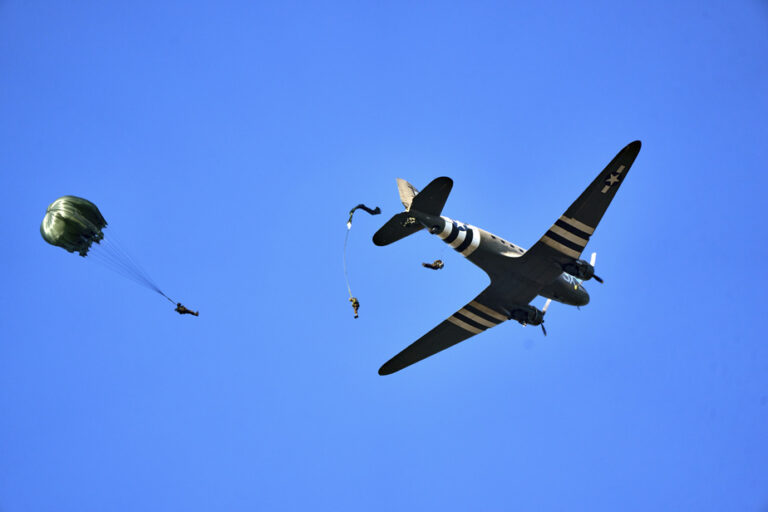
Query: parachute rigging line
{"x": 110, "y": 253}
{"x": 346, "y": 276}
{"x": 374, "y": 211}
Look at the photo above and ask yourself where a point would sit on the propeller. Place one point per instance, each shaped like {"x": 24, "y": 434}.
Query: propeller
{"x": 592, "y": 262}
{"x": 544, "y": 312}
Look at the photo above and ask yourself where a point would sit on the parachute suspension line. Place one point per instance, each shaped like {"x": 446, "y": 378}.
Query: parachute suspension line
{"x": 346, "y": 239}
{"x": 103, "y": 256}
{"x": 134, "y": 267}
{"x": 110, "y": 253}
{"x": 100, "y": 257}
{"x": 109, "y": 262}
{"x": 131, "y": 264}
{"x": 144, "y": 274}
{"x": 370, "y": 211}
{"x": 112, "y": 241}
{"x": 123, "y": 259}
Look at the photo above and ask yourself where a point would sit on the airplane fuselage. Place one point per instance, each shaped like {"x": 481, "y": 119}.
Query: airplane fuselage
{"x": 485, "y": 249}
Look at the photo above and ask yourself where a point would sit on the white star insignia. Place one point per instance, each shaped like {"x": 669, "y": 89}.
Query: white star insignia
{"x": 613, "y": 179}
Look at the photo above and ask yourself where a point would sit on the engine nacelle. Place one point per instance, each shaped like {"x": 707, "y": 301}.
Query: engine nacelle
{"x": 527, "y": 315}
{"x": 579, "y": 269}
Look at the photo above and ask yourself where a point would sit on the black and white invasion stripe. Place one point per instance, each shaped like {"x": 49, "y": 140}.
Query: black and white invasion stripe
{"x": 568, "y": 236}
{"x": 462, "y": 237}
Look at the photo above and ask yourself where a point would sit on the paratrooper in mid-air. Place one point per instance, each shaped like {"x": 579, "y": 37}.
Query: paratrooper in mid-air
{"x": 355, "y": 304}
{"x": 182, "y": 310}
{"x": 435, "y": 265}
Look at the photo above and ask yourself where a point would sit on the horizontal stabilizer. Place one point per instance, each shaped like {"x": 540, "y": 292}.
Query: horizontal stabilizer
{"x": 398, "y": 227}
{"x": 432, "y": 199}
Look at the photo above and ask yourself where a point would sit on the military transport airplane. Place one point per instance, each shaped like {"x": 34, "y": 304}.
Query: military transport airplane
{"x": 552, "y": 268}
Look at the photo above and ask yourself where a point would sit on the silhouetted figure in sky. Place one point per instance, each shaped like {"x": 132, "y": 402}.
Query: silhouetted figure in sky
{"x": 435, "y": 265}
{"x": 355, "y": 304}
{"x": 184, "y": 311}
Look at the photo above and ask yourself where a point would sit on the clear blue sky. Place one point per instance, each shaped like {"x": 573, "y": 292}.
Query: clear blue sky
{"x": 225, "y": 143}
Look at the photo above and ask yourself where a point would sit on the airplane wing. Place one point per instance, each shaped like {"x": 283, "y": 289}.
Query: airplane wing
{"x": 474, "y": 318}
{"x": 566, "y": 239}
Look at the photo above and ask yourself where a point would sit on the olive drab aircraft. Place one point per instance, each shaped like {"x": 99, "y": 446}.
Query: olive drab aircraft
{"x": 552, "y": 268}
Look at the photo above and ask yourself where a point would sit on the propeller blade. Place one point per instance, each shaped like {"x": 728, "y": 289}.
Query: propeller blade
{"x": 544, "y": 312}
{"x": 592, "y": 262}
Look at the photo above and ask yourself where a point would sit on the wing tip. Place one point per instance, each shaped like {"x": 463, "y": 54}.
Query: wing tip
{"x": 386, "y": 369}
{"x": 634, "y": 146}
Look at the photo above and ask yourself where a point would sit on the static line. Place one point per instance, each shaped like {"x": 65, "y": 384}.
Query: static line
{"x": 346, "y": 276}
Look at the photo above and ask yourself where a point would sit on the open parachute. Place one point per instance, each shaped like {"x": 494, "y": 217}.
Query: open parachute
{"x": 73, "y": 223}
{"x": 76, "y": 224}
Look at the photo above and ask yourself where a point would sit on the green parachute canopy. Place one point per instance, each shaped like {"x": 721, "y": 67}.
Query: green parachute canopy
{"x": 73, "y": 223}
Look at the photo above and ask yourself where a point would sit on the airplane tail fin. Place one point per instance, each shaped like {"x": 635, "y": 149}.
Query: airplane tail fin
{"x": 407, "y": 192}
{"x": 430, "y": 201}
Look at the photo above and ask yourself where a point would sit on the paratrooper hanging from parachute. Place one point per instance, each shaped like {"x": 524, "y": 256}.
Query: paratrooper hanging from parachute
{"x": 76, "y": 224}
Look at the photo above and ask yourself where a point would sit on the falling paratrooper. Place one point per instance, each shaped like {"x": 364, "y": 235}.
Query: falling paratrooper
{"x": 435, "y": 265}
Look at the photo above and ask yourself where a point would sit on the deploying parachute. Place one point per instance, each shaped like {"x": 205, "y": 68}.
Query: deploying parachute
{"x": 76, "y": 224}
{"x": 375, "y": 211}
{"x": 372, "y": 211}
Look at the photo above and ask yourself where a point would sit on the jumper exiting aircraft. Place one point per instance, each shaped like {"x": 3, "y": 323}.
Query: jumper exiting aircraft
{"x": 552, "y": 268}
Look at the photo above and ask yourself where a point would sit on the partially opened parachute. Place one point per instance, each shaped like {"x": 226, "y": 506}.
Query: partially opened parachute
{"x": 73, "y": 223}
{"x": 76, "y": 224}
